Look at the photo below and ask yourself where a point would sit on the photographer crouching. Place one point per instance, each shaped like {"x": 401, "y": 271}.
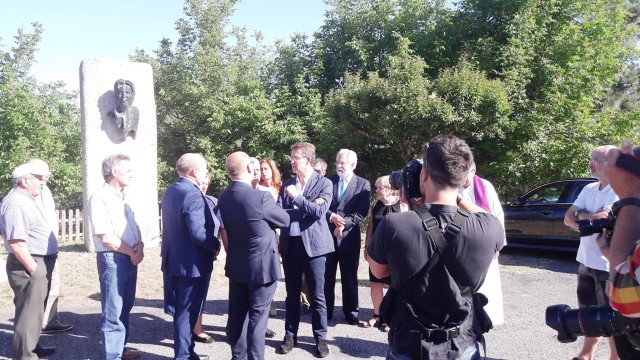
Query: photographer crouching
{"x": 437, "y": 256}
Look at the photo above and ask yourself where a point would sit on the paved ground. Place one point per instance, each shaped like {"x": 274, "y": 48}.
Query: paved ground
{"x": 531, "y": 282}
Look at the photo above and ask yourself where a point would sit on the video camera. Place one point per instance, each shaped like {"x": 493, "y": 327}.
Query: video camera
{"x": 407, "y": 178}
{"x": 591, "y": 321}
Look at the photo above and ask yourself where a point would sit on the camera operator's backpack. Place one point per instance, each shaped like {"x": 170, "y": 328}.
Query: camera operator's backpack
{"x": 396, "y": 300}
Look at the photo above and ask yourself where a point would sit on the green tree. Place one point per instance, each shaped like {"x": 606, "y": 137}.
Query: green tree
{"x": 38, "y": 121}
{"x": 211, "y": 96}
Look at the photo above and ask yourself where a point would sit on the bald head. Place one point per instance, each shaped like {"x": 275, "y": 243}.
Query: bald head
{"x": 189, "y": 162}
{"x": 237, "y": 165}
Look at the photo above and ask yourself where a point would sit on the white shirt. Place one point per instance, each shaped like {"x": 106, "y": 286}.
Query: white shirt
{"x": 294, "y": 227}
{"x": 110, "y": 215}
{"x": 593, "y": 199}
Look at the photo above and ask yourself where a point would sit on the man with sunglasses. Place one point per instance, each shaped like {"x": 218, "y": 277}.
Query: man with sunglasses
{"x": 593, "y": 202}
{"x": 33, "y": 249}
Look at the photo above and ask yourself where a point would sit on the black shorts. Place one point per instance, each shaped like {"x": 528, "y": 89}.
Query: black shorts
{"x": 591, "y": 286}
{"x": 374, "y": 279}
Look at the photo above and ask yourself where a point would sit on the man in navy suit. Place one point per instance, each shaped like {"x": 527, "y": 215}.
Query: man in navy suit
{"x": 250, "y": 217}
{"x": 188, "y": 249}
{"x": 349, "y": 206}
{"x": 305, "y": 244}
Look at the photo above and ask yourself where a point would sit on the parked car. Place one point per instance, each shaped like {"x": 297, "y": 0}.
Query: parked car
{"x": 536, "y": 219}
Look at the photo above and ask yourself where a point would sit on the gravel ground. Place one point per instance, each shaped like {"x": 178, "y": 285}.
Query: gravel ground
{"x": 531, "y": 281}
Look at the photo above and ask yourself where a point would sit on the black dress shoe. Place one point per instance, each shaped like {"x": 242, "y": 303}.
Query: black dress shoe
{"x": 352, "y": 319}
{"x": 43, "y": 352}
{"x": 199, "y": 357}
{"x": 204, "y": 338}
{"x": 56, "y": 327}
{"x": 287, "y": 345}
{"x": 322, "y": 348}
{"x": 269, "y": 334}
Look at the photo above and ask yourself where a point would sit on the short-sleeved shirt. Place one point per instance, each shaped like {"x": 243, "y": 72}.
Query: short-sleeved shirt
{"x": 593, "y": 199}
{"x": 402, "y": 243}
{"x": 20, "y": 219}
{"x": 112, "y": 216}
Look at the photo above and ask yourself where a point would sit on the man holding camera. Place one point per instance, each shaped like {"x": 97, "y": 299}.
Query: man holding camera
{"x": 593, "y": 202}
{"x": 435, "y": 317}
{"x": 622, "y": 169}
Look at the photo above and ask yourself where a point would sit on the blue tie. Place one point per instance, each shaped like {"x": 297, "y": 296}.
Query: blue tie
{"x": 341, "y": 187}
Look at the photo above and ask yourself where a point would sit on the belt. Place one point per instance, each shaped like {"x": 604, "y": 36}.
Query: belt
{"x": 46, "y": 257}
{"x": 442, "y": 335}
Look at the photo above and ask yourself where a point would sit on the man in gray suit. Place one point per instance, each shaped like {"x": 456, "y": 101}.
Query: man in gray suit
{"x": 250, "y": 217}
{"x": 305, "y": 244}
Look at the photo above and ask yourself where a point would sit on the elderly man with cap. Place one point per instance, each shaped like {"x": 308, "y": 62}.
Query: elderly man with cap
{"x": 51, "y": 323}
{"x": 32, "y": 249}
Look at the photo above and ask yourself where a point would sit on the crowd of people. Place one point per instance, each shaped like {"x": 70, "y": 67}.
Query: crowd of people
{"x": 302, "y": 228}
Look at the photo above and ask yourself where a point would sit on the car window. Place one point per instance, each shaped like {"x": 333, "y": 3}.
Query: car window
{"x": 574, "y": 192}
{"x": 546, "y": 195}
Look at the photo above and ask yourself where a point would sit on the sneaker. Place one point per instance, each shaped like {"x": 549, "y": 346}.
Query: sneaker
{"x": 56, "y": 327}
{"x": 322, "y": 348}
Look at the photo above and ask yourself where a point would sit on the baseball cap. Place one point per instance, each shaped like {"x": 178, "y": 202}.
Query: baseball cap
{"x": 26, "y": 169}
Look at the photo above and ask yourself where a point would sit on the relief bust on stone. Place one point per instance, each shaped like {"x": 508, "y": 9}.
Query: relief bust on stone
{"x": 125, "y": 114}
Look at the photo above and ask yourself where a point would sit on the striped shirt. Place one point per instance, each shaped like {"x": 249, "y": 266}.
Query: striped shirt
{"x": 20, "y": 219}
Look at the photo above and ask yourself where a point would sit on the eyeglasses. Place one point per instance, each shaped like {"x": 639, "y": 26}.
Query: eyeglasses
{"x": 343, "y": 163}
{"x": 296, "y": 158}
{"x": 597, "y": 160}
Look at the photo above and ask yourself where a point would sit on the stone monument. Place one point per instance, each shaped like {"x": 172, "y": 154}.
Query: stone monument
{"x": 119, "y": 116}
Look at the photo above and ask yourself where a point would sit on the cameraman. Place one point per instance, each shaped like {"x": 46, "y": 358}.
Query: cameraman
{"x": 627, "y": 226}
{"x": 442, "y": 323}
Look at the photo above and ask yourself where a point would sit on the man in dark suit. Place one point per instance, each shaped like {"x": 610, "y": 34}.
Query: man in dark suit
{"x": 250, "y": 217}
{"x": 305, "y": 244}
{"x": 349, "y": 206}
{"x": 188, "y": 249}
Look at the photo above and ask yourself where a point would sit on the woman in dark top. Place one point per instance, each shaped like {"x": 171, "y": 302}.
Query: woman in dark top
{"x": 388, "y": 202}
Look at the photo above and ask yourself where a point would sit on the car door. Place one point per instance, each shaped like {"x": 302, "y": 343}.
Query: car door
{"x": 531, "y": 218}
{"x": 564, "y": 233}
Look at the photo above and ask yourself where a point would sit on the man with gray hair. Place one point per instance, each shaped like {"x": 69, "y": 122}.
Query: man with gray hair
{"x": 119, "y": 250}
{"x": 320, "y": 166}
{"x": 33, "y": 250}
{"x": 349, "y": 206}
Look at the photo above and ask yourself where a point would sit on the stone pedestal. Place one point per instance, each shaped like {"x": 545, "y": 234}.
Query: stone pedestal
{"x": 101, "y": 137}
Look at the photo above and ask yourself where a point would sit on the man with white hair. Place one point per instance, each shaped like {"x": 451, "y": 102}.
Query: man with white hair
{"x": 349, "y": 206}
{"x": 51, "y": 323}
{"x": 33, "y": 250}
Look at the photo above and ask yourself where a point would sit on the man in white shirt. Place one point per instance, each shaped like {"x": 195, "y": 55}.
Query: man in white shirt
{"x": 594, "y": 202}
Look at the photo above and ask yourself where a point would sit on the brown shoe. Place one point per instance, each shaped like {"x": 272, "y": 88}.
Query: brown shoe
{"x": 130, "y": 354}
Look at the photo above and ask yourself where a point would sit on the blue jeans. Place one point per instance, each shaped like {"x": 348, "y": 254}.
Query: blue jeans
{"x": 117, "y": 293}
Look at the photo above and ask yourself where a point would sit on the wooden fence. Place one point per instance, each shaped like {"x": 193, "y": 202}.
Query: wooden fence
{"x": 70, "y": 226}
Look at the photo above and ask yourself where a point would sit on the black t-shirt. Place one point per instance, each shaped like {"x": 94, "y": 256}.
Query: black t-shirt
{"x": 402, "y": 243}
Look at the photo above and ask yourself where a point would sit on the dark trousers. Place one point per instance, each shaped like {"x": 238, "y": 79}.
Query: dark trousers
{"x": 30, "y": 296}
{"x": 188, "y": 294}
{"x": 295, "y": 264}
{"x": 348, "y": 261}
{"x": 247, "y": 321}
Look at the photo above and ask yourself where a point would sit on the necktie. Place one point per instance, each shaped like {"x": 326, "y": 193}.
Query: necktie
{"x": 341, "y": 187}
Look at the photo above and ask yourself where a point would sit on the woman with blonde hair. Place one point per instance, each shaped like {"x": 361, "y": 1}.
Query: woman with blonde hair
{"x": 270, "y": 178}
{"x": 388, "y": 202}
